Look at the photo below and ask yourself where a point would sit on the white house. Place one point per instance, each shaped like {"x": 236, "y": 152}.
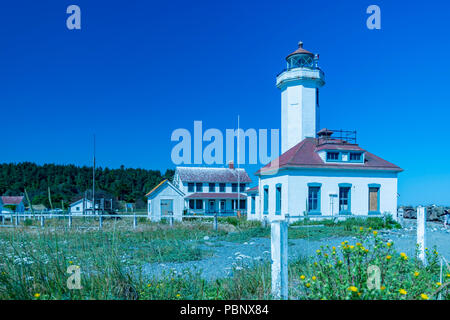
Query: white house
{"x": 213, "y": 190}
{"x": 79, "y": 207}
{"x": 165, "y": 200}
{"x": 321, "y": 173}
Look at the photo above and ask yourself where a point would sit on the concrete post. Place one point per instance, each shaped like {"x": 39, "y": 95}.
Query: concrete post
{"x": 287, "y": 216}
{"x": 134, "y": 221}
{"x": 279, "y": 249}
{"x": 171, "y": 221}
{"x": 42, "y": 220}
{"x": 100, "y": 222}
{"x": 422, "y": 232}
{"x": 3, "y": 218}
{"x": 70, "y": 220}
{"x": 17, "y": 219}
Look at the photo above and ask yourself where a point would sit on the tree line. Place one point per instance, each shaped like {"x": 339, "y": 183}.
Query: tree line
{"x": 69, "y": 182}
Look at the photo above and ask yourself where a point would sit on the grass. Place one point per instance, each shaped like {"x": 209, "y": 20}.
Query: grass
{"x": 34, "y": 262}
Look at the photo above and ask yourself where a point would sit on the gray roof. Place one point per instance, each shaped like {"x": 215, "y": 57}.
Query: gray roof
{"x": 205, "y": 174}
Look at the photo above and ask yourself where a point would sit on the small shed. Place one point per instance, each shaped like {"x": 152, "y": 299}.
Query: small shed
{"x": 165, "y": 200}
{"x": 10, "y": 204}
{"x": 80, "y": 207}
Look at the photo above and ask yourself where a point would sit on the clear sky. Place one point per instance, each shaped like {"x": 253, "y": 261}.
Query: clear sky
{"x": 137, "y": 70}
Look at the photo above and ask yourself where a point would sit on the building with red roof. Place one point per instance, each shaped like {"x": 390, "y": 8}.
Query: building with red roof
{"x": 11, "y": 204}
{"x": 320, "y": 173}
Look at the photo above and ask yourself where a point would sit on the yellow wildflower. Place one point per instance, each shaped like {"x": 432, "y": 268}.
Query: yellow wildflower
{"x": 351, "y": 247}
{"x": 389, "y": 244}
{"x": 302, "y": 277}
{"x": 308, "y": 285}
{"x": 361, "y": 228}
{"x": 424, "y": 296}
{"x": 388, "y": 257}
{"x": 404, "y": 256}
{"x": 149, "y": 285}
{"x": 318, "y": 251}
{"x": 382, "y": 287}
{"x": 178, "y": 295}
{"x": 334, "y": 248}
{"x": 403, "y": 291}
{"x": 70, "y": 262}
{"x": 448, "y": 275}
{"x": 438, "y": 284}
{"x": 37, "y": 295}
{"x": 416, "y": 274}
{"x": 353, "y": 289}
{"x": 375, "y": 233}
{"x": 314, "y": 278}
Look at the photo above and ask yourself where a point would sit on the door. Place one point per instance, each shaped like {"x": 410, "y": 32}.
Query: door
{"x": 212, "y": 206}
{"x": 373, "y": 200}
{"x": 166, "y": 207}
{"x": 222, "y": 205}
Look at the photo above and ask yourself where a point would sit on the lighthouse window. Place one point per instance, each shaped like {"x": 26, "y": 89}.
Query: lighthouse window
{"x": 332, "y": 155}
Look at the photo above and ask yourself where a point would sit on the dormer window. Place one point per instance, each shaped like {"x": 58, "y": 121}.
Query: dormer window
{"x": 332, "y": 156}
{"x": 355, "y": 156}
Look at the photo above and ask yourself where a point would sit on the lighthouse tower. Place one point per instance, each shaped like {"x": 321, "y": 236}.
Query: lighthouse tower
{"x": 299, "y": 85}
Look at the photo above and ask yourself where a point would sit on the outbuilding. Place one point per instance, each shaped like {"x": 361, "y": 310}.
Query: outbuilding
{"x": 165, "y": 200}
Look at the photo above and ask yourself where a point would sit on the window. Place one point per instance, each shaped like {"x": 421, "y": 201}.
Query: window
{"x": 266, "y": 199}
{"x": 242, "y": 204}
{"x": 374, "y": 198}
{"x": 212, "y": 187}
{"x": 190, "y": 187}
{"x": 222, "y": 205}
{"x": 253, "y": 204}
{"x": 191, "y": 204}
{"x": 278, "y": 199}
{"x": 344, "y": 199}
{"x": 355, "y": 156}
{"x": 242, "y": 187}
{"x": 77, "y": 208}
{"x": 199, "y": 204}
{"x": 199, "y": 187}
{"x": 234, "y": 187}
{"x": 332, "y": 156}
{"x": 222, "y": 187}
{"x": 313, "y": 198}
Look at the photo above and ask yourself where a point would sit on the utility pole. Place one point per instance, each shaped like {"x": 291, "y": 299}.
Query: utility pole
{"x": 239, "y": 181}
{"x": 93, "y": 182}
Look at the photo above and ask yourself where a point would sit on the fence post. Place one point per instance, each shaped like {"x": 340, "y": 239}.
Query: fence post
{"x": 171, "y": 221}
{"x": 3, "y": 217}
{"x": 134, "y": 221}
{"x": 42, "y": 220}
{"x": 215, "y": 222}
{"x": 70, "y": 220}
{"x": 279, "y": 249}
{"x": 100, "y": 222}
{"x": 17, "y": 219}
{"x": 400, "y": 214}
{"x": 422, "y": 232}
{"x": 287, "y": 216}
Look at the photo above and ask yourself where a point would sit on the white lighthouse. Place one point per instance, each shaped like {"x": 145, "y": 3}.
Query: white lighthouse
{"x": 299, "y": 85}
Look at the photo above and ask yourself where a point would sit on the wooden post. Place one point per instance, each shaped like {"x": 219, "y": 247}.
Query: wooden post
{"x": 70, "y": 220}
{"x": 100, "y": 221}
{"x": 42, "y": 220}
{"x": 422, "y": 232}
{"x": 17, "y": 219}
{"x": 215, "y": 222}
{"x": 171, "y": 221}
{"x": 134, "y": 221}
{"x": 279, "y": 249}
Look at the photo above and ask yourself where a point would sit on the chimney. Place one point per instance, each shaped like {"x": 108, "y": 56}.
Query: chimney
{"x": 231, "y": 165}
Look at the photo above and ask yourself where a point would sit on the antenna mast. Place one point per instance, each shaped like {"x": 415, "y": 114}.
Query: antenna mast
{"x": 93, "y": 182}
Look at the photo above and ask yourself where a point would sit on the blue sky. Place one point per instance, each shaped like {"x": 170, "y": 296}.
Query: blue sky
{"x": 137, "y": 70}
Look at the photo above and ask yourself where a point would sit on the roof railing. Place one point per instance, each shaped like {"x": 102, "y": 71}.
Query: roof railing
{"x": 337, "y": 136}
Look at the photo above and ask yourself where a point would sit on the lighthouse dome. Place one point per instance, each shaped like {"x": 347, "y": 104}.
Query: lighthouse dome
{"x": 301, "y": 58}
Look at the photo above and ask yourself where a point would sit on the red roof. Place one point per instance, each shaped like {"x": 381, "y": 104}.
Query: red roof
{"x": 212, "y": 195}
{"x": 304, "y": 155}
{"x": 300, "y": 50}
{"x": 252, "y": 190}
{"x": 208, "y": 174}
{"x": 12, "y": 200}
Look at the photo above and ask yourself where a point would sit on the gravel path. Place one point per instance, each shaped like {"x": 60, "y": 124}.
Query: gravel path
{"x": 228, "y": 255}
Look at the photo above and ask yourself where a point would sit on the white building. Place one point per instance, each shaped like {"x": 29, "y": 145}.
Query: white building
{"x": 200, "y": 190}
{"x": 165, "y": 200}
{"x": 321, "y": 173}
{"x": 213, "y": 190}
{"x": 80, "y": 207}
